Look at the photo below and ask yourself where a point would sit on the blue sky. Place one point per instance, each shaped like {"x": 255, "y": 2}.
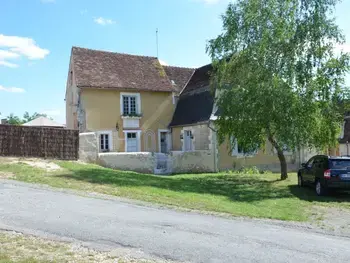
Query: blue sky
{"x": 36, "y": 37}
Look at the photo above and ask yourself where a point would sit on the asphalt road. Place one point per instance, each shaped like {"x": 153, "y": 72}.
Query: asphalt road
{"x": 164, "y": 233}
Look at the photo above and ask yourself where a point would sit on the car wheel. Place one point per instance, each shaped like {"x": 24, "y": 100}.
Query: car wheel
{"x": 300, "y": 181}
{"x": 320, "y": 189}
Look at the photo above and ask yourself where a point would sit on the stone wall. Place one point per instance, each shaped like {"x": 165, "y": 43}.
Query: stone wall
{"x": 88, "y": 147}
{"x": 142, "y": 162}
{"x": 192, "y": 162}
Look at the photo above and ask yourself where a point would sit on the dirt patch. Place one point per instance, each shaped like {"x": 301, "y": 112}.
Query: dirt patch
{"x": 34, "y": 162}
{"x": 6, "y": 175}
{"x": 332, "y": 219}
{"x": 48, "y": 166}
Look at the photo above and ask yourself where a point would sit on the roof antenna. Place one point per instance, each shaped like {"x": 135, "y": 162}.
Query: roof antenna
{"x": 157, "y": 42}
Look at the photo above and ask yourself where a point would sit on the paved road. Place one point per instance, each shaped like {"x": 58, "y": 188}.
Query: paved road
{"x": 162, "y": 233}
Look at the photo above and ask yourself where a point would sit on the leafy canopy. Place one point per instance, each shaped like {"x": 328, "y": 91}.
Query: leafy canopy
{"x": 278, "y": 74}
{"x": 15, "y": 120}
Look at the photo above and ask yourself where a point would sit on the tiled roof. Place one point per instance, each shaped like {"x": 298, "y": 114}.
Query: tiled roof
{"x": 193, "y": 109}
{"x": 103, "y": 69}
{"x": 43, "y": 122}
{"x": 178, "y": 76}
{"x": 200, "y": 79}
{"x": 196, "y": 100}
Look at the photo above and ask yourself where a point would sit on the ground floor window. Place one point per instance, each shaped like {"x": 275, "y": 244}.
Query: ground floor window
{"x": 104, "y": 142}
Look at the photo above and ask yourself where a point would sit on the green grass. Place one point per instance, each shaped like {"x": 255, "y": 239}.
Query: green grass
{"x": 262, "y": 196}
{"x": 17, "y": 248}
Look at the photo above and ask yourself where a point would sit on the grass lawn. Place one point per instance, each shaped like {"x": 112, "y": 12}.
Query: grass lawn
{"x": 262, "y": 196}
{"x": 18, "y": 248}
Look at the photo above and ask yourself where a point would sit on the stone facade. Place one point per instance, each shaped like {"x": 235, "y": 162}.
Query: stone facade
{"x": 192, "y": 162}
{"x": 88, "y": 147}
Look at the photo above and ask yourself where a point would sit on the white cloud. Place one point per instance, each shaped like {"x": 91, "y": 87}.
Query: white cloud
{"x": 104, "y": 21}
{"x": 8, "y": 64}
{"x": 5, "y": 54}
{"x": 12, "y": 89}
{"x": 14, "y": 47}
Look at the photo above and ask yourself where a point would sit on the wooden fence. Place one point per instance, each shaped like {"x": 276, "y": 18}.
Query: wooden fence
{"x": 52, "y": 143}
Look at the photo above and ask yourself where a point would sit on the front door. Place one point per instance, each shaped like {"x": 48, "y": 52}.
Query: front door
{"x": 164, "y": 142}
{"x": 131, "y": 142}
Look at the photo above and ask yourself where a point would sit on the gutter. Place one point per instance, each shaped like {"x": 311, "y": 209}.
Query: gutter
{"x": 214, "y": 147}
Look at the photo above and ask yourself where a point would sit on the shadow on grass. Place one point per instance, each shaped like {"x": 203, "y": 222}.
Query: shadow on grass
{"x": 244, "y": 188}
{"x": 308, "y": 194}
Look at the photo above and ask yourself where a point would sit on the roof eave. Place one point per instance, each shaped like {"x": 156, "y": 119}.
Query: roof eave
{"x": 122, "y": 88}
{"x": 189, "y": 124}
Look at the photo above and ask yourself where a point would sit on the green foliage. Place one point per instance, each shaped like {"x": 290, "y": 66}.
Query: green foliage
{"x": 278, "y": 75}
{"x": 27, "y": 117}
{"x": 15, "y": 120}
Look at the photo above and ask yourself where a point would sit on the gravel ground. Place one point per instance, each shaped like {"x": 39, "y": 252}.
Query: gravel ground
{"x": 125, "y": 228}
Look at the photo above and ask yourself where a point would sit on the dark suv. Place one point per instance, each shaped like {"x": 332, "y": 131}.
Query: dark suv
{"x": 325, "y": 172}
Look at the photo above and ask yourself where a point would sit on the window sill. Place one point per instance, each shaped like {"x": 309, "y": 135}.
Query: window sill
{"x": 131, "y": 117}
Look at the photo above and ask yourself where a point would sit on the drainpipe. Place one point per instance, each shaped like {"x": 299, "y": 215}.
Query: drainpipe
{"x": 214, "y": 147}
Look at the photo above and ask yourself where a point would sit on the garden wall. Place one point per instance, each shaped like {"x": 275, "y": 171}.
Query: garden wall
{"x": 52, "y": 143}
{"x": 192, "y": 162}
{"x": 143, "y": 162}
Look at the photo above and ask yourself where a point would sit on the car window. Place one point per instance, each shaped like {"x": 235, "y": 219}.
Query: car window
{"x": 316, "y": 163}
{"x": 310, "y": 162}
{"x": 340, "y": 164}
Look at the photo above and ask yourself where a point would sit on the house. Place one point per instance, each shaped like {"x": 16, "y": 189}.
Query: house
{"x": 193, "y": 129}
{"x": 129, "y": 107}
{"x": 44, "y": 122}
{"x": 127, "y": 100}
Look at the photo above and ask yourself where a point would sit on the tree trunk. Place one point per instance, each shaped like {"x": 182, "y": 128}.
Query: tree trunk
{"x": 284, "y": 174}
{"x": 281, "y": 157}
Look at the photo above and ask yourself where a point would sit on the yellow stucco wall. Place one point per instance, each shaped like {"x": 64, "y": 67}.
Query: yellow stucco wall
{"x": 102, "y": 111}
{"x": 265, "y": 158}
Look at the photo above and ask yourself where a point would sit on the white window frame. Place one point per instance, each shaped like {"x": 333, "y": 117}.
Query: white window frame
{"x": 138, "y": 138}
{"x": 241, "y": 154}
{"x": 168, "y": 140}
{"x": 110, "y": 140}
{"x": 137, "y": 100}
{"x": 184, "y": 140}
